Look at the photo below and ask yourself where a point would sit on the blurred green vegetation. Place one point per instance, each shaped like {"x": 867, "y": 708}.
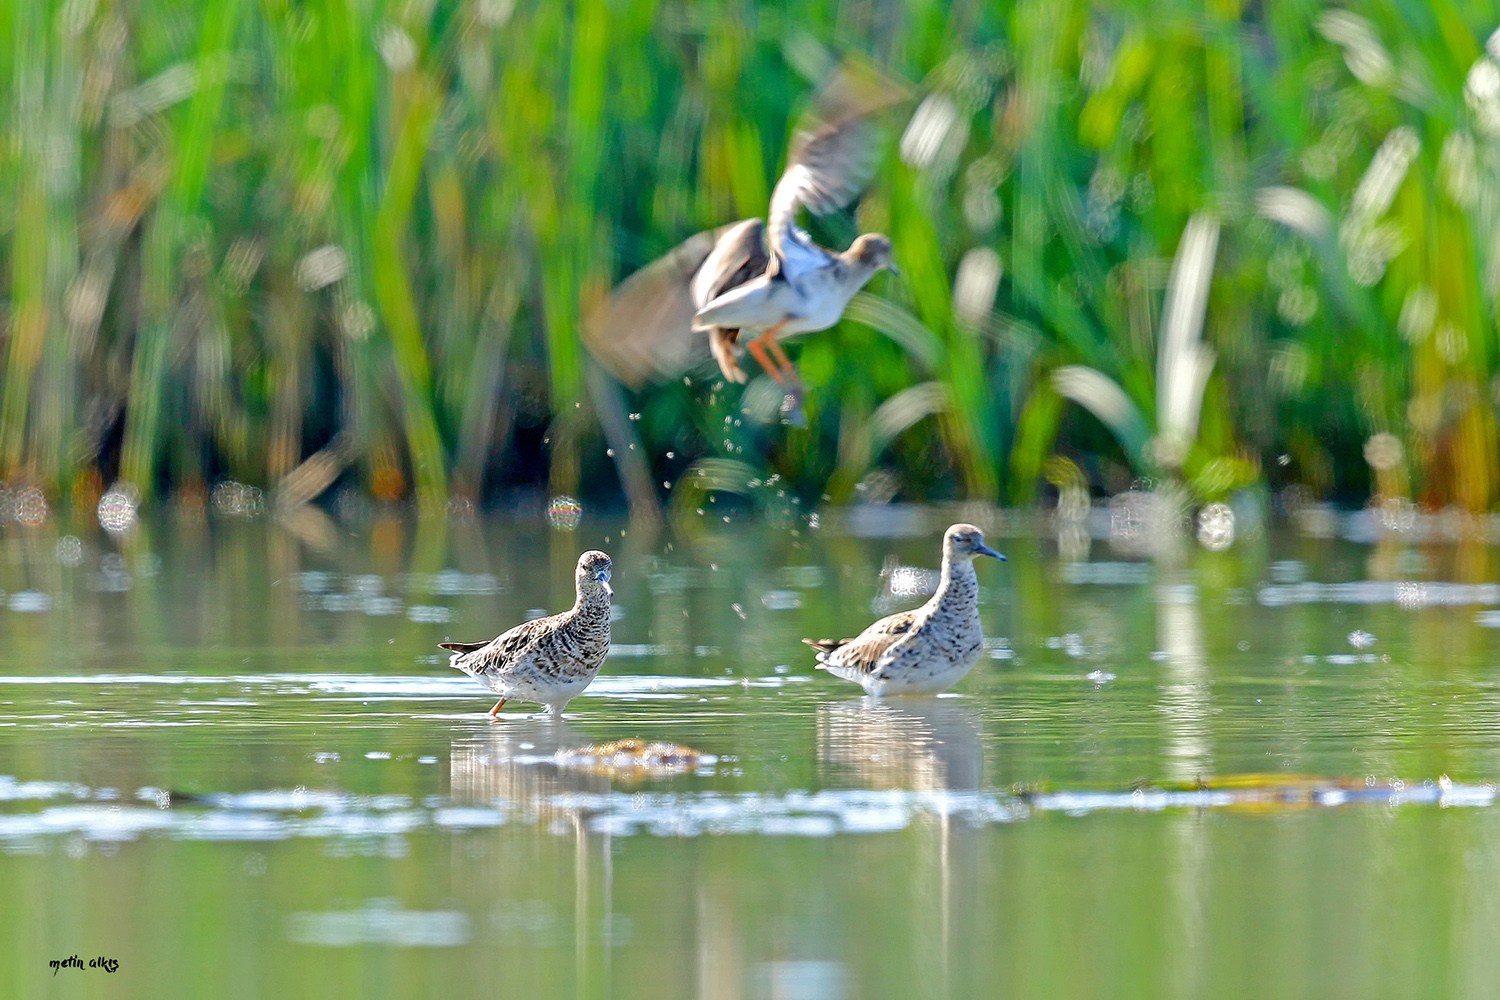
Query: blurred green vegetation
{"x": 244, "y": 234}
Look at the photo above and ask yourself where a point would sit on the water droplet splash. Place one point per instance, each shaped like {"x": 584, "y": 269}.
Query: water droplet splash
{"x": 117, "y": 508}
{"x": 564, "y": 513}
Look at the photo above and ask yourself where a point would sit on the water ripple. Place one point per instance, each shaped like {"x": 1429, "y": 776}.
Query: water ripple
{"x": 279, "y": 814}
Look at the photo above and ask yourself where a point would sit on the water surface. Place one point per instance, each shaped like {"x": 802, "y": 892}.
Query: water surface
{"x": 234, "y": 760}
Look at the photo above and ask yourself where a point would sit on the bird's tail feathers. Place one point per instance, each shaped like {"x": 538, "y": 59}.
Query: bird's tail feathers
{"x": 462, "y": 647}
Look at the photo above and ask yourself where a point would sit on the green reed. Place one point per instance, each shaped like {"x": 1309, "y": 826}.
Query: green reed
{"x": 286, "y": 242}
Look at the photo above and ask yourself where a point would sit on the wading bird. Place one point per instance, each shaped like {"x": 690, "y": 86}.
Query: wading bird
{"x": 550, "y": 660}
{"x": 925, "y": 650}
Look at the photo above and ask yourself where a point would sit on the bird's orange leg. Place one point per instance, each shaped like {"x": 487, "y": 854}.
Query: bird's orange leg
{"x": 788, "y": 370}
{"x": 497, "y": 707}
{"x": 758, "y": 349}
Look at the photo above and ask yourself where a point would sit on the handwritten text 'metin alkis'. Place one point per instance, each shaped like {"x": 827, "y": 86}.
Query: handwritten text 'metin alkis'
{"x": 74, "y": 962}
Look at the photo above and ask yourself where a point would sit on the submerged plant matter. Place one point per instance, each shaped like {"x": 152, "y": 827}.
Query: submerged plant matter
{"x": 293, "y": 245}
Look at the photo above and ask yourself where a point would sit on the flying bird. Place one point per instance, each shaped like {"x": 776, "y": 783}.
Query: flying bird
{"x": 751, "y": 283}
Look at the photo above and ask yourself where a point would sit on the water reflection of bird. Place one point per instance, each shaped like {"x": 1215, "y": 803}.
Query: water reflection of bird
{"x": 769, "y": 278}
{"x": 549, "y": 660}
{"x": 918, "y": 744}
{"x": 516, "y": 764}
{"x": 925, "y": 650}
{"x": 532, "y": 760}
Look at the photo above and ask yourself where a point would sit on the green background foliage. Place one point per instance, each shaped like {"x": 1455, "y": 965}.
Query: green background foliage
{"x": 236, "y": 236}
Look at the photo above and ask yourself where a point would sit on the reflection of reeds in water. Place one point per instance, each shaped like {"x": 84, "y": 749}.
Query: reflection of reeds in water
{"x": 1186, "y": 701}
{"x": 920, "y": 745}
{"x": 915, "y": 744}
{"x": 508, "y": 766}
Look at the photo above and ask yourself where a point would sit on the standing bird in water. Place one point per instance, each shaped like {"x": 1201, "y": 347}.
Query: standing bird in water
{"x": 928, "y": 649}
{"x": 550, "y": 660}
{"x": 766, "y": 279}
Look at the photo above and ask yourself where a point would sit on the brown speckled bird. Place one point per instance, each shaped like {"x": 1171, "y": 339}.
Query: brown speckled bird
{"x": 550, "y": 660}
{"x": 927, "y": 649}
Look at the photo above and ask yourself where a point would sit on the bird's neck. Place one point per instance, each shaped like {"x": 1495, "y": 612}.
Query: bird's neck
{"x": 591, "y": 598}
{"x": 858, "y": 269}
{"x": 958, "y": 587}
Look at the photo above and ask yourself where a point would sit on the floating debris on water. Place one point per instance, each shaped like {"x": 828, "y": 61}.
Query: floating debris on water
{"x": 1100, "y": 677}
{"x": 631, "y": 758}
{"x": 1360, "y": 639}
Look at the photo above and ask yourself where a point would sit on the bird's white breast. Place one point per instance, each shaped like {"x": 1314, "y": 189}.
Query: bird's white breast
{"x": 823, "y": 300}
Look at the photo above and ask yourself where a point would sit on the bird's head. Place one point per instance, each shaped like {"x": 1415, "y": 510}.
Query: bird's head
{"x": 964, "y": 541}
{"x": 873, "y": 251}
{"x": 593, "y": 572}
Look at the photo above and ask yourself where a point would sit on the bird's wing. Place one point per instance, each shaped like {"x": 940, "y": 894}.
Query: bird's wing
{"x": 644, "y": 329}
{"x": 497, "y": 656}
{"x": 833, "y": 156}
{"x": 864, "y": 651}
{"x": 739, "y": 254}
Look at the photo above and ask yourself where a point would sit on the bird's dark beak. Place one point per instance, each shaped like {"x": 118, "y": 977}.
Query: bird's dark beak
{"x": 985, "y": 550}
{"x": 890, "y": 266}
{"x": 603, "y": 577}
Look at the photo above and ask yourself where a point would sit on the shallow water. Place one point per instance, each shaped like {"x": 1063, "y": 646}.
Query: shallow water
{"x": 233, "y": 760}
